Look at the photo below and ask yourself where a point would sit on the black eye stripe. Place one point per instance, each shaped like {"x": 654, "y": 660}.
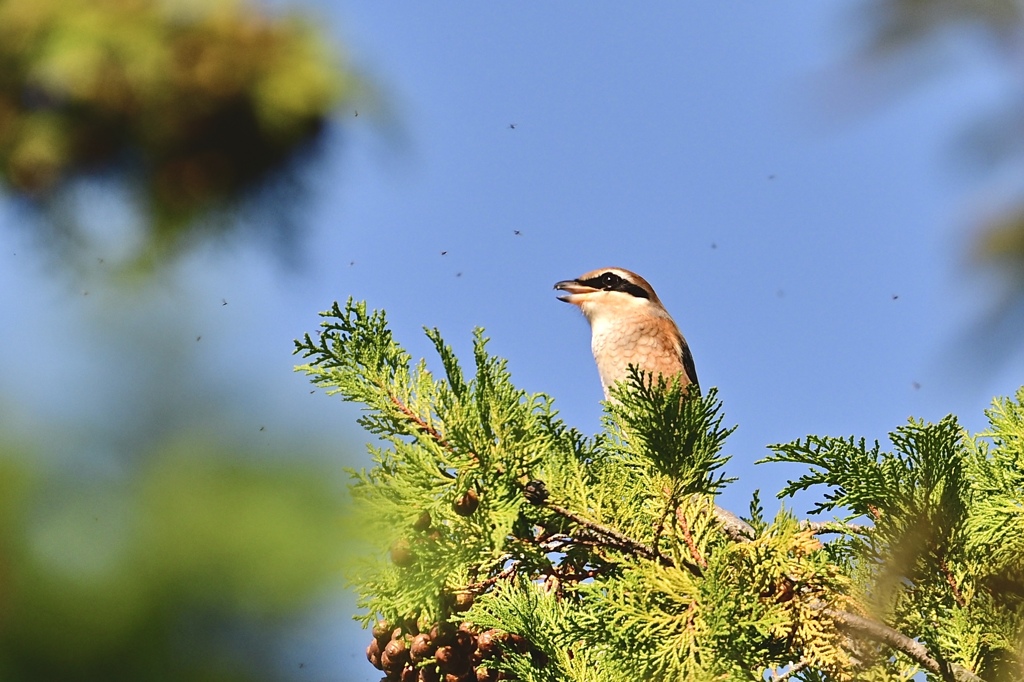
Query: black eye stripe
{"x": 633, "y": 289}
{"x": 609, "y": 281}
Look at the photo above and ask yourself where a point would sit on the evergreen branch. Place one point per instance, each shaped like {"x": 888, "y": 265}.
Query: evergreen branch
{"x": 736, "y": 528}
{"x": 482, "y": 586}
{"x": 660, "y": 526}
{"x": 419, "y": 422}
{"x": 559, "y": 543}
{"x": 621, "y": 541}
{"x": 710, "y": 595}
{"x": 585, "y": 573}
{"x": 740, "y": 531}
{"x": 426, "y": 428}
{"x": 894, "y": 639}
{"x": 951, "y": 580}
{"x": 670, "y": 505}
{"x": 688, "y": 539}
{"x": 837, "y": 527}
{"x": 671, "y": 427}
{"x": 793, "y": 670}
{"x": 617, "y": 540}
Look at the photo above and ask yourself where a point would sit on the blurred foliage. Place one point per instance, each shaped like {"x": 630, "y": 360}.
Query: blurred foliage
{"x": 193, "y": 105}
{"x": 184, "y": 569}
{"x": 902, "y": 29}
{"x": 897, "y": 25}
{"x": 1003, "y": 245}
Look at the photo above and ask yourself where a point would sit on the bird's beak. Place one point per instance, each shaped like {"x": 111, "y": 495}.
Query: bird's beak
{"x": 575, "y": 289}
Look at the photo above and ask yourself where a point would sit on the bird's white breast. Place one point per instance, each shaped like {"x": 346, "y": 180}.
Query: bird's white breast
{"x": 643, "y": 340}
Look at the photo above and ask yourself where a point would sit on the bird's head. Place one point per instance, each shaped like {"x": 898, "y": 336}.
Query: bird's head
{"x": 608, "y": 292}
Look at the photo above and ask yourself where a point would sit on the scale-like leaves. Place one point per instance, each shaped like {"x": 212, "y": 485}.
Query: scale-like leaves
{"x": 610, "y": 557}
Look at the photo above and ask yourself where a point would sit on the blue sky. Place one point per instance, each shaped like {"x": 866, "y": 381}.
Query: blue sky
{"x": 809, "y": 238}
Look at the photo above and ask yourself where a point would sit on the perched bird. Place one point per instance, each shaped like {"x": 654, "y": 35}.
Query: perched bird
{"x": 629, "y": 326}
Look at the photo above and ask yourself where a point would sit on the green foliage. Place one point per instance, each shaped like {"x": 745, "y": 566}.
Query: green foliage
{"x": 915, "y": 496}
{"x": 493, "y": 436}
{"x": 942, "y": 556}
{"x": 653, "y": 422}
{"x": 525, "y": 607}
{"x": 172, "y": 573}
{"x": 609, "y": 554}
{"x": 450, "y": 436}
{"x": 192, "y": 105}
{"x": 996, "y": 526}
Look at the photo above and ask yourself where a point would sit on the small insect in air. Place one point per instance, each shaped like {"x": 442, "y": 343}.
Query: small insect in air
{"x": 444, "y": 253}
{"x": 511, "y": 126}
{"x": 262, "y": 428}
{"x": 198, "y": 337}
{"x": 517, "y": 233}
{"x": 223, "y": 301}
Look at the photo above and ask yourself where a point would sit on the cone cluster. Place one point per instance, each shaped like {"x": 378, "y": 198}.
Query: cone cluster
{"x": 445, "y": 653}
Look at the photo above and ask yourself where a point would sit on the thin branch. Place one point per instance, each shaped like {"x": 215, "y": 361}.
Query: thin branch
{"x": 479, "y": 587}
{"x": 420, "y": 423}
{"x": 691, "y": 545}
{"x": 736, "y": 528}
{"x": 426, "y": 428}
{"x": 894, "y": 639}
{"x": 951, "y": 580}
{"x": 619, "y": 540}
{"x": 837, "y": 527}
{"x": 622, "y": 541}
{"x": 739, "y": 530}
{"x": 559, "y": 541}
{"x": 555, "y": 542}
{"x": 583, "y": 574}
{"x": 660, "y": 527}
{"x": 793, "y": 670}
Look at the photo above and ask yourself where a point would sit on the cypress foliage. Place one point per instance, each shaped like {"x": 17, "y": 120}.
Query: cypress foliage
{"x": 508, "y": 545}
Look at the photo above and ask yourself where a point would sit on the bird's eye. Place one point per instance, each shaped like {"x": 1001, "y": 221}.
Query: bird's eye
{"x": 609, "y": 280}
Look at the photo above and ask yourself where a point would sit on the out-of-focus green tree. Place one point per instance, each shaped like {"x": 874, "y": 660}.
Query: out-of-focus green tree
{"x": 184, "y": 570}
{"x": 899, "y": 31}
{"x": 192, "y": 105}
{"x": 156, "y": 542}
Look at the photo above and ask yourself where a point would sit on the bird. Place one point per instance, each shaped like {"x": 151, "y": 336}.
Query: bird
{"x": 629, "y": 326}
